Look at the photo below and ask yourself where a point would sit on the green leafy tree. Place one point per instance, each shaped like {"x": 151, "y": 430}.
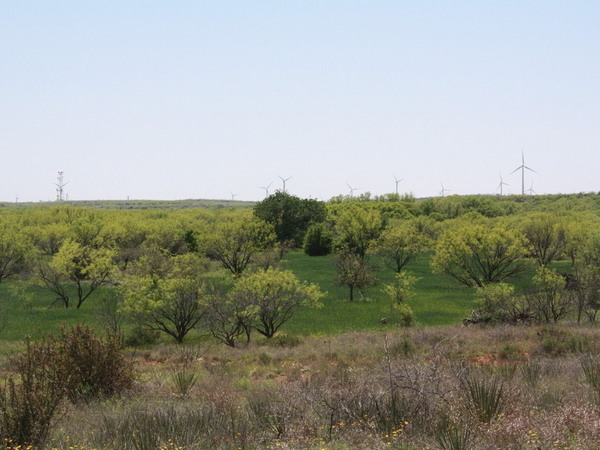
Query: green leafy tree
{"x": 356, "y": 229}
{"x": 272, "y": 297}
{"x": 354, "y": 272}
{"x": 401, "y": 244}
{"x": 290, "y": 216}
{"x": 500, "y": 303}
{"x": 166, "y": 293}
{"x": 402, "y": 288}
{"x": 584, "y": 282}
{"x": 228, "y": 318}
{"x": 549, "y": 302}
{"x": 15, "y": 250}
{"x": 478, "y": 254}
{"x": 236, "y": 242}
{"x": 48, "y": 238}
{"x": 400, "y": 291}
{"x": 547, "y": 236}
{"x": 87, "y": 268}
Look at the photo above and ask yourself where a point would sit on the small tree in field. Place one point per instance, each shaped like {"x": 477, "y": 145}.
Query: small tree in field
{"x": 500, "y": 303}
{"x": 354, "y": 272}
{"x": 227, "y": 318}
{"x": 234, "y": 244}
{"x": 165, "y": 293}
{"x": 85, "y": 267}
{"x": 271, "y": 297}
{"x": 401, "y": 244}
{"x": 550, "y": 301}
{"x": 479, "y": 254}
{"x": 400, "y": 291}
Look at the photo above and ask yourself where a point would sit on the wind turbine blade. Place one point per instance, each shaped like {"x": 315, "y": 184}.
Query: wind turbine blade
{"x": 529, "y": 168}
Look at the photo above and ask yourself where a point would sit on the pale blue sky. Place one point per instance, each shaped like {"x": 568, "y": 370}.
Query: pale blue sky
{"x": 199, "y": 99}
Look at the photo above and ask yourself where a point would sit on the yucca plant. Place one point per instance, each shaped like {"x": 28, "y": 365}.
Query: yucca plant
{"x": 450, "y": 437}
{"x": 486, "y": 398}
{"x": 532, "y": 372}
{"x": 591, "y": 370}
{"x": 184, "y": 381}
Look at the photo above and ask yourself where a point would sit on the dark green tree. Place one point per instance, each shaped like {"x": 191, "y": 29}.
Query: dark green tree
{"x": 290, "y": 215}
{"x": 318, "y": 240}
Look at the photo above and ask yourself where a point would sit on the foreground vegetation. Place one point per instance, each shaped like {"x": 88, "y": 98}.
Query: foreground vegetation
{"x": 450, "y": 387}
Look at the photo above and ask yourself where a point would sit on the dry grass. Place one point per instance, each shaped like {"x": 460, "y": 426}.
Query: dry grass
{"x": 386, "y": 389}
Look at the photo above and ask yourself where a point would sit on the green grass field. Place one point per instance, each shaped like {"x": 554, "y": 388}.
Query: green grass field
{"x": 438, "y": 300}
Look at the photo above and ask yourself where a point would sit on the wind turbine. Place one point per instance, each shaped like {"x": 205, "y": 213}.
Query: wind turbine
{"x": 502, "y": 183}
{"x": 397, "y": 181}
{"x": 444, "y": 190}
{"x": 233, "y": 196}
{"x": 266, "y": 188}
{"x": 283, "y": 180}
{"x": 351, "y": 190}
{"x": 522, "y": 168}
{"x": 530, "y": 191}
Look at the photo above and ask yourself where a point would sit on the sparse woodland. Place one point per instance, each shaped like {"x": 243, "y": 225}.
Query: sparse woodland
{"x": 389, "y": 322}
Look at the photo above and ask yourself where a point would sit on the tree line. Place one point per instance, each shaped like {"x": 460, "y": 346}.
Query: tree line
{"x": 219, "y": 269}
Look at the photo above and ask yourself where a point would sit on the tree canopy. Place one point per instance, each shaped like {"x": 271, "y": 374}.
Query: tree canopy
{"x": 290, "y": 215}
{"x": 481, "y": 253}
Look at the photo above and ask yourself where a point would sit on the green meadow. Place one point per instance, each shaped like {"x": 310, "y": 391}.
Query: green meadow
{"x": 437, "y": 300}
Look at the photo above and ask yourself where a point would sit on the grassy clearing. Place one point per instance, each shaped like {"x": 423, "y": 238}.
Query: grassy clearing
{"x": 438, "y": 300}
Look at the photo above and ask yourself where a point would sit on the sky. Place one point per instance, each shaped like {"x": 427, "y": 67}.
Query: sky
{"x": 172, "y": 100}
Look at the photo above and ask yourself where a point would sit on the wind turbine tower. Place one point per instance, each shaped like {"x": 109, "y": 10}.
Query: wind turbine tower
{"x": 522, "y": 168}
{"x": 60, "y": 185}
{"x": 502, "y": 183}
{"x": 444, "y": 191}
{"x": 283, "y": 180}
{"x": 266, "y": 188}
{"x": 351, "y": 190}
{"x": 397, "y": 181}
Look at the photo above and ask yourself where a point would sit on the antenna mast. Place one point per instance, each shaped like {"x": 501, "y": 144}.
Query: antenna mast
{"x": 60, "y": 184}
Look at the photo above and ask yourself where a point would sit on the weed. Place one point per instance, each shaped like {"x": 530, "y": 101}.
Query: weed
{"x": 265, "y": 359}
{"x": 532, "y": 372}
{"x": 405, "y": 347}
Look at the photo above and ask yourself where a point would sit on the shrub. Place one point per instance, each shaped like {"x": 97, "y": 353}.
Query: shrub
{"x": 406, "y": 315}
{"x": 282, "y": 340}
{"x": 318, "y": 241}
{"x": 78, "y": 365}
{"x": 95, "y": 367}
{"x": 29, "y": 405}
{"x": 405, "y": 347}
{"x": 141, "y": 336}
